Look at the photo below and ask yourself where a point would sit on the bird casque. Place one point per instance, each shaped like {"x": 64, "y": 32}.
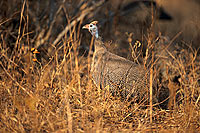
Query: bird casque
{"x": 122, "y": 76}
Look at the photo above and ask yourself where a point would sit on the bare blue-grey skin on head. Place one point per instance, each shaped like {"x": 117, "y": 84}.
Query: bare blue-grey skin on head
{"x": 123, "y": 76}
{"x": 92, "y": 27}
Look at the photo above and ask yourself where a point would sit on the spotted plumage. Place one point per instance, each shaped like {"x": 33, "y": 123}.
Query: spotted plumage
{"x": 122, "y": 76}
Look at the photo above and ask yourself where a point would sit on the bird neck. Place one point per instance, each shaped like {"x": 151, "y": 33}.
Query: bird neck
{"x": 98, "y": 44}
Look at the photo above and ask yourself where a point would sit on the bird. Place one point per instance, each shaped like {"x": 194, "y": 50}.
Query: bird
{"x": 122, "y": 76}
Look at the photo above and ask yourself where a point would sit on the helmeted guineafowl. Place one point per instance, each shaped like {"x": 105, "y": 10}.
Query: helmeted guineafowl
{"x": 123, "y": 76}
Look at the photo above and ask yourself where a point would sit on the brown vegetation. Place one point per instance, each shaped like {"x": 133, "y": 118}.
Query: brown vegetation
{"x": 46, "y": 85}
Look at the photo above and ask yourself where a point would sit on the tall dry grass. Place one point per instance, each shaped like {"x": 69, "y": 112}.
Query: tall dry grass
{"x": 46, "y": 85}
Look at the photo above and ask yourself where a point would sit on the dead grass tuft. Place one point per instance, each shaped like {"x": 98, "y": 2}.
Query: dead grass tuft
{"x": 46, "y": 86}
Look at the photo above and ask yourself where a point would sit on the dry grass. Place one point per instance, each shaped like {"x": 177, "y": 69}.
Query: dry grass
{"x": 52, "y": 90}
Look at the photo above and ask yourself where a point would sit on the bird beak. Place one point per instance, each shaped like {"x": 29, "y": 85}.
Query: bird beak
{"x": 86, "y": 26}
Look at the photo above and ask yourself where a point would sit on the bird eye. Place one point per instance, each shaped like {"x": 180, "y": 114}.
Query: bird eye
{"x": 91, "y": 25}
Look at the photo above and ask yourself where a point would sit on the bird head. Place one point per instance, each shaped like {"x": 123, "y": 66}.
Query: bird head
{"x": 92, "y": 28}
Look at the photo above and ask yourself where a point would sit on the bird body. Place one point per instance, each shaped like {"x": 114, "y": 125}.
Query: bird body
{"x": 123, "y": 76}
